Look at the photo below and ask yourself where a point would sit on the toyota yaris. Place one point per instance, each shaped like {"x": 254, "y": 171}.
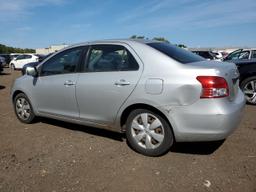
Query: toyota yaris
{"x": 155, "y": 92}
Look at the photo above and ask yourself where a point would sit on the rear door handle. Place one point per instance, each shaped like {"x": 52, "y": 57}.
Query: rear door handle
{"x": 69, "y": 83}
{"x": 122, "y": 82}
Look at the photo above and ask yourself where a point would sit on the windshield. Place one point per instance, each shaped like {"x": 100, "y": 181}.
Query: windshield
{"x": 176, "y": 53}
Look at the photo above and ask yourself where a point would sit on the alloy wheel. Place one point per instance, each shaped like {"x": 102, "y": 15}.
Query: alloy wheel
{"x": 147, "y": 131}
{"x": 23, "y": 108}
{"x": 250, "y": 91}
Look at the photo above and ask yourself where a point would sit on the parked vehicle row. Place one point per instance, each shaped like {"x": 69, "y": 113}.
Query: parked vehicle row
{"x": 17, "y": 61}
{"x": 240, "y": 54}
{"x": 155, "y": 92}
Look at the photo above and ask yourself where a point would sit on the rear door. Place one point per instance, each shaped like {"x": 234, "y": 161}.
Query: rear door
{"x": 110, "y": 75}
{"x": 55, "y": 87}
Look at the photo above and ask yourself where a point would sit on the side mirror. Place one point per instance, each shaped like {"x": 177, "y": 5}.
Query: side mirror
{"x": 32, "y": 71}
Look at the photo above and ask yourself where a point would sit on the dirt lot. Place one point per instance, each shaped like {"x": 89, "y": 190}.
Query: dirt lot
{"x": 54, "y": 156}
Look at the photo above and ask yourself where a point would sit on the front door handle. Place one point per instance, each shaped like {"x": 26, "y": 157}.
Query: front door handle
{"x": 122, "y": 82}
{"x": 69, "y": 83}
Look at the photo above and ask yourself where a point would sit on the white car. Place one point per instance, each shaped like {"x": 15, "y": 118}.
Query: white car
{"x": 22, "y": 60}
{"x": 218, "y": 55}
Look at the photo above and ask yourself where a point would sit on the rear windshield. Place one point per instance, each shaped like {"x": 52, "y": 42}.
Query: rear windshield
{"x": 176, "y": 53}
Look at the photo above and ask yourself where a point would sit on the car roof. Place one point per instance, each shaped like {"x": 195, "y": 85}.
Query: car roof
{"x": 247, "y": 49}
{"x": 109, "y": 41}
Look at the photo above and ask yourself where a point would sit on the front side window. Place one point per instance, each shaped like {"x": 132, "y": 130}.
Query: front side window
{"x": 103, "y": 58}
{"x": 27, "y": 56}
{"x": 64, "y": 62}
{"x": 238, "y": 55}
{"x": 244, "y": 55}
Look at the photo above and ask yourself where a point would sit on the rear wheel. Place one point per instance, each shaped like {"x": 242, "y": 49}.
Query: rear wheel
{"x": 148, "y": 133}
{"x": 23, "y": 108}
{"x": 248, "y": 86}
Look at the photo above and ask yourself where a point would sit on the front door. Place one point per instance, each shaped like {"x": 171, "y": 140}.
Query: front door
{"x": 55, "y": 87}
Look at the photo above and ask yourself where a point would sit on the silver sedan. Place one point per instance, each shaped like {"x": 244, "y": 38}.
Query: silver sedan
{"x": 155, "y": 92}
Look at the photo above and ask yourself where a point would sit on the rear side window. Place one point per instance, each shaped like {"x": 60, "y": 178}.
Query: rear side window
{"x": 27, "y": 56}
{"x": 104, "y": 58}
{"x": 20, "y": 57}
{"x": 176, "y": 53}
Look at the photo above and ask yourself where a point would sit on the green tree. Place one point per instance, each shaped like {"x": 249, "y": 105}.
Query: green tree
{"x": 137, "y": 37}
{"x": 181, "y": 46}
{"x": 7, "y": 49}
{"x": 161, "y": 39}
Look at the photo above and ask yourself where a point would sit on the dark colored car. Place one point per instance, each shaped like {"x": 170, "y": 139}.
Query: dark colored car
{"x": 7, "y": 58}
{"x": 1, "y": 68}
{"x": 241, "y": 54}
{"x": 247, "y": 70}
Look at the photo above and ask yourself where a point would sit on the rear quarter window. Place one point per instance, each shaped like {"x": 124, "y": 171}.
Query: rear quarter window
{"x": 176, "y": 53}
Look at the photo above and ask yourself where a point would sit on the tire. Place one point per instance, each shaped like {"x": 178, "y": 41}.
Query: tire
{"x": 248, "y": 86}
{"x": 23, "y": 109}
{"x": 148, "y": 133}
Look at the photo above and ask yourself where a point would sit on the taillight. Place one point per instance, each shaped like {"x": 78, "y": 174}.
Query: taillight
{"x": 213, "y": 86}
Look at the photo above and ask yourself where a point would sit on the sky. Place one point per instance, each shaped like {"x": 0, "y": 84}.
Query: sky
{"x": 195, "y": 23}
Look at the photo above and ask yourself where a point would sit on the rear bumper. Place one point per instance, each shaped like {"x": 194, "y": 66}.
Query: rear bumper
{"x": 207, "y": 119}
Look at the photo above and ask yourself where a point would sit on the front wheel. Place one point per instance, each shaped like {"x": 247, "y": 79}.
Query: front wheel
{"x": 148, "y": 133}
{"x": 248, "y": 86}
{"x": 23, "y": 108}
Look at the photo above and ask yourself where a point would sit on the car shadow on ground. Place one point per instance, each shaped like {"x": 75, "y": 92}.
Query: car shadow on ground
{"x": 5, "y": 73}
{"x": 2, "y": 87}
{"x": 200, "y": 148}
{"x": 86, "y": 129}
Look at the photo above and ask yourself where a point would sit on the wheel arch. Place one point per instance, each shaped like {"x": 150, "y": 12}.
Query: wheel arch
{"x": 132, "y": 107}
{"x": 246, "y": 76}
{"x": 15, "y": 93}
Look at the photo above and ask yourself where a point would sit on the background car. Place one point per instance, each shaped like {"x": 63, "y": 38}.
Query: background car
{"x": 217, "y": 55}
{"x": 2, "y": 61}
{"x": 247, "y": 70}
{"x": 7, "y": 59}
{"x": 1, "y": 67}
{"x": 241, "y": 54}
{"x": 22, "y": 60}
{"x": 206, "y": 54}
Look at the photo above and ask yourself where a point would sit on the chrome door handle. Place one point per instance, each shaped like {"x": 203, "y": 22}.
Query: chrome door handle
{"x": 122, "y": 82}
{"x": 69, "y": 83}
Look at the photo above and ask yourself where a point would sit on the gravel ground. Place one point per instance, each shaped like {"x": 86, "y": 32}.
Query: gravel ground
{"x": 55, "y": 156}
